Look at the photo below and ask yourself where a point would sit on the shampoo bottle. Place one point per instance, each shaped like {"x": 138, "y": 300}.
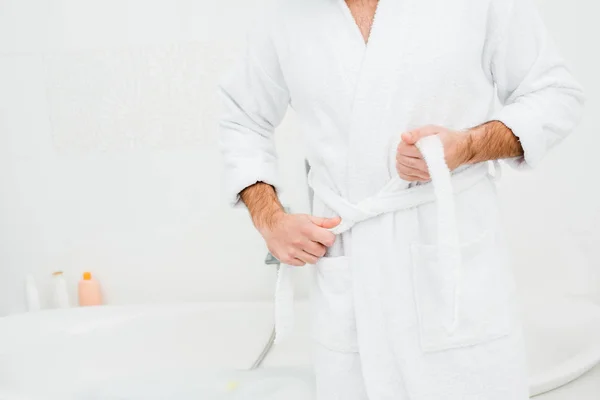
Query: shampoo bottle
{"x": 89, "y": 291}
{"x": 61, "y": 294}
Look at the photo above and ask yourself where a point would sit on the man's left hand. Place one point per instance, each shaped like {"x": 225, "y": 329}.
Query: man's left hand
{"x": 409, "y": 160}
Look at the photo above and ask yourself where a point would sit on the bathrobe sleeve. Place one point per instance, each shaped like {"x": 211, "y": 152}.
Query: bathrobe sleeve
{"x": 254, "y": 101}
{"x": 542, "y": 102}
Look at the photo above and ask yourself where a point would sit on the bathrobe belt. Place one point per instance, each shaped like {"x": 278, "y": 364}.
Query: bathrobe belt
{"x": 389, "y": 199}
{"x": 392, "y": 197}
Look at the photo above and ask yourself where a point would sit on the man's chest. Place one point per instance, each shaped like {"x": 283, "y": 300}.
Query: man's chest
{"x": 363, "y": 12}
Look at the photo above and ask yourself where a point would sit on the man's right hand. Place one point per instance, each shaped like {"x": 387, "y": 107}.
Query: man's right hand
{"x": 294, "y": 239}
{"x": 299, "y": 239}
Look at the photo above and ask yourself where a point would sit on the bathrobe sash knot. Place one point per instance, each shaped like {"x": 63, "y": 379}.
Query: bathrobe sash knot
{"x": 391, "y": 198}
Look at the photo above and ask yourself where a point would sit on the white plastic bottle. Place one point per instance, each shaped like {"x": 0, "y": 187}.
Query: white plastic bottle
{"x": 61, "y": 293}
{"x": 32, "y": 297}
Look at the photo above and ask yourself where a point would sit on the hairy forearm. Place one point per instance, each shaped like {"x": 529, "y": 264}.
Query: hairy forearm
{"x": 262, "y": 203}
{"x": 492, "y": 141}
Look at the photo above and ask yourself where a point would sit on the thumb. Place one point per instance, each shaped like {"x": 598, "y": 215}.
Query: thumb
{"x": 415, "y": 135}
{"x": 326, "y": 223}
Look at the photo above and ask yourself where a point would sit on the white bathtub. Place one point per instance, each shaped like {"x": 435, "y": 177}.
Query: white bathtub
{"x": 179, "y": 352}
{"x": 192, "y": 351}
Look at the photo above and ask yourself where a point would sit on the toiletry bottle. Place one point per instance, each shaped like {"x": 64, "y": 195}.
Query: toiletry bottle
{"x": 32, "y": 296}
{"x": 61, "y": 294}
{"x": 89, "y": 291}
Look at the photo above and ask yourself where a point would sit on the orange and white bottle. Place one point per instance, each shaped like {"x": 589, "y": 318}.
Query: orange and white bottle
{"x": 89, "y": 291}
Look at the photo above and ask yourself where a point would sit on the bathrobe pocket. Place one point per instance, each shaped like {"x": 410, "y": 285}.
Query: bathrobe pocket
{"x": 333, "y": 321}
{"x": 465, "y": 307}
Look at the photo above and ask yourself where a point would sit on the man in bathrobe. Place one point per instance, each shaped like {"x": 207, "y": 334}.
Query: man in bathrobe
{"x": 360, "y": 74}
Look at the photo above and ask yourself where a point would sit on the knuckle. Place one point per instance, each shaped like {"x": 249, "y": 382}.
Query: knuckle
{"x": 287, "y": 259}
{"x": 292, "y": 253}
{"x": 330, "y": 239}
{"x": 310, "y": 230}
{"x": 304, "y": 228}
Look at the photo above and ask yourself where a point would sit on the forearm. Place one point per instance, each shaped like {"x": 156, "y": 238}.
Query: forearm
{"x": 491, "y": 141}
{"x": 262, "y": 203}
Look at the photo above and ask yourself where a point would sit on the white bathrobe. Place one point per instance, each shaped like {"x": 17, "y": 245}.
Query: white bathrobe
{"x": 393, "y": 320}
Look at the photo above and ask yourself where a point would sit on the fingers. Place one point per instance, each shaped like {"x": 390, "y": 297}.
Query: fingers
{"x": 299, "y": 258}
{"x": 414, "y": 135}
{"x": 326, "y": 223}
{"x": 309, "y": 252}
{"x": 299, "y": 239}
{"x": 315, "y": 249}
{"x": 412, "y": 175}
{"x": 318, "y": 238}
{"x": 307, "y": 244}
{"x": 307, "y": 258}
{"x": 318, "y": 231}
{"x": 321, "y": 235}
{"x": 295, "y": 262}
{"x": 408, "y": 138}
{"x": 409, "y": 161}
{"x": 331, "y": 223}
{"x": 412, "y": 163}
{"x": 408, "y": 150}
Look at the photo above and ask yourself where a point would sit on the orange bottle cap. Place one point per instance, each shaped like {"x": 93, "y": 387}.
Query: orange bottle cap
{"x": 87, "y": 276}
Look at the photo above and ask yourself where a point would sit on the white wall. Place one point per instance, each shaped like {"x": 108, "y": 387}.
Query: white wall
{"x": 108, "y": 157}
{"x": 553, "y": 213}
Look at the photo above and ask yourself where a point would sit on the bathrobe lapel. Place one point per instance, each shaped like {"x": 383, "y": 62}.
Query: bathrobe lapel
{"x": 372, "y": 116}
{"x": 374, "y": 123}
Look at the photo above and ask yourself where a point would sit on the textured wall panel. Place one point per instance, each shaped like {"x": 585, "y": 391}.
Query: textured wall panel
{"x": 143, "y": 97}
